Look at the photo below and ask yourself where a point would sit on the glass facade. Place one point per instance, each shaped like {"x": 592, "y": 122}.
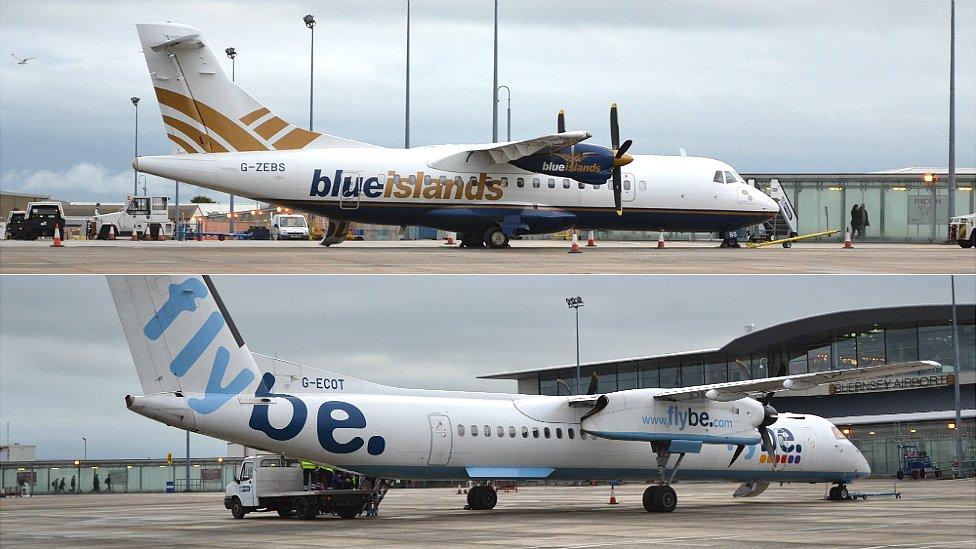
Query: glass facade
{"x": 884, "y": 444}
{"x": 206, "y": 475}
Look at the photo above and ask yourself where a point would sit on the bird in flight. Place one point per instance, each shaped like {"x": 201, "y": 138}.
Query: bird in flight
{"x": 21, "y": 61}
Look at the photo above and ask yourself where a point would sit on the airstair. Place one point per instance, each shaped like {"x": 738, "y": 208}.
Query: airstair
{"x": 380, "y": 489}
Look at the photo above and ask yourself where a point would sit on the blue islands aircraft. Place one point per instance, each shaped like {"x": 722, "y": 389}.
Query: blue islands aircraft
{"x": 487, "y": 193}
{"x": 197, "y": 374}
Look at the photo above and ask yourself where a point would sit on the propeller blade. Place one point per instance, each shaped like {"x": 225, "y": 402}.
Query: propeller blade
{"x": 594, "y": 383}
{"x": 767, "y": 398}
{"x": 616, "y": 191}
{"x": 770, "y": 449}
{"x": 561, "y": 121}
{"x": 614, "y": 128}
{"x": 738, "y": 450}
{"x": 623, "y": 148}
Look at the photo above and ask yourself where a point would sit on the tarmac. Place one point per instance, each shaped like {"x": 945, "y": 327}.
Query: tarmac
{"x": 931, "y": 513}
{"x": 523, "y": 257}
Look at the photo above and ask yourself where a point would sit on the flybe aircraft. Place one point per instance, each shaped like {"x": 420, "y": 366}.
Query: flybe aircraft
{"x": 197, "y": 374}
{"x": 487, "y": 193}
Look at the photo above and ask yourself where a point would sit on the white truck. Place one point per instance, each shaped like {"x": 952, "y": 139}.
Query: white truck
{"x": 962, "y": 229}
{"x": 147, "y": 216}
{"x": 289, "y": 227}
{"x": 269, "y": 482}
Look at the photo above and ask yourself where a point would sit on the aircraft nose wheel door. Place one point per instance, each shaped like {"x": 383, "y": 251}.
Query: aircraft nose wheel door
{"x": 349, "y": 192}
{"x": 441, "y": 440}
{"x": 628, "y": 189}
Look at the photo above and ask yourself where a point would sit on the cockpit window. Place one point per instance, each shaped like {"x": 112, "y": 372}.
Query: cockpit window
{"x": 837, "y": 434}
{"x": 719, "y": 178}
{"x": 732, "y": 177}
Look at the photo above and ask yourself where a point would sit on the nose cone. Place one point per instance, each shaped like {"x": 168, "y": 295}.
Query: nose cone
{"x": 765, "y": 203}
{"x": 862, "y": 469}
{"x": 135, "y": 164}
{"x": 623, "y": 160}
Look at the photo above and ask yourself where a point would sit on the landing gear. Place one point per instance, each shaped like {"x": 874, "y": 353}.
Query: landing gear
{"x": 730, "y": 240}
{"x": 482, "y": 498}
{"x": 661, "y": 498}
{"x": 496, "y": 238}
{"x": 839, "y": 493}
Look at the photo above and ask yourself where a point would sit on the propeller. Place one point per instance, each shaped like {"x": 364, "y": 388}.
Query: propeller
{"x": 594, "y": 383}
{"x": 620, "y": 157}
{"x": 770, "y": 415}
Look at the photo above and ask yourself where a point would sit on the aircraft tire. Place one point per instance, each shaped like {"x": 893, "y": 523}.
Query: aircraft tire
{"x": 473, "y": 497}
{"x": 495, "y": 238}
{"x": 650, "y": 496}
{"x": 237, "y": 509}
{"x": 842, "y": 493}
{"x": 833, "y": 493}
{"x": 665, "y": 500}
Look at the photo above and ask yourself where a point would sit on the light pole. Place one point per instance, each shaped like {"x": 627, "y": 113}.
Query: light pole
{"x": 406, "y": 119}
{"x": 952, "y": 114}
{"x": 509, "y": 111}
{"x": 955, "y": 348}
{"x": 135, "y": 173}
{"x": 576, "y": 303}
{"x": 232, "y": 53}
{"x": 310, "y": 23}
{"x": 84, "y": 454}
{"x": 494, "y": 87}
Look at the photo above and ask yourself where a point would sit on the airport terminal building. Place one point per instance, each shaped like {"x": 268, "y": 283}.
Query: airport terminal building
{"x": 878, "y": 416}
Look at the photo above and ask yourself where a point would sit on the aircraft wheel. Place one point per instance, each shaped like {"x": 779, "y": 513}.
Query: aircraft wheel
{"x": 473, "y": 497}
{"x": 843, "y": 494}
{"x": 832, "y": 494}
{"x": 665, "y": 500}
{"x": 496, "y": 238}
{"x": 650, "y": 496}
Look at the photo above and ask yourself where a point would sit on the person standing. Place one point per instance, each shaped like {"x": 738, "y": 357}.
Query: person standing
{"x": 61, "y": 485}
{"x": 308, "y": 472}
{"x": 108, "y": 483}
{"x": 73, "y": 485}
{"x": 855, "y": 220}
{"x": 96, "y": 485}
{"x": 864, "y": 221}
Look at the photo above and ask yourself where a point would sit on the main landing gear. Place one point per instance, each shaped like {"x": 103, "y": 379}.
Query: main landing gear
{"x": 838, "y": 493}
{"x": 494, "y": 237}
{"x": 661, "y": 498}
{"x": 482, "y": 497}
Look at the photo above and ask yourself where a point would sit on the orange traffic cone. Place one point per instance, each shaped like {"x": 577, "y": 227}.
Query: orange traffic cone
{"x": 574, "y": 248}
{"x": 459, "y": 490}
{"x": 591, "y": 242}
{"x": 57, "y": 237}
{"x": 111, "y": 232}
{"x": 135, "y": 234}
{"x": 847, "y": 240}
{"x": 450, "y": 242}
{"x": 613, "y": 498}
{"x": 660, "y": 240}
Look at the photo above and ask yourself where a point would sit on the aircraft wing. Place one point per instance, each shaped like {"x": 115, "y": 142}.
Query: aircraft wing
{"x": 503, "y": 153}
{"x": 734, "y": 390}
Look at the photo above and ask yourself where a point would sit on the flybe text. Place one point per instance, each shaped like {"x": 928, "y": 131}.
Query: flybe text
{"x": 686, "y": 418}
{"x": 419, "y": 186}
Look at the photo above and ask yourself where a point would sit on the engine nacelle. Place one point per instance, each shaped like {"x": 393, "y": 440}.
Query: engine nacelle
{"x": 637, "y": 415}
{"x": 590, "y": 164}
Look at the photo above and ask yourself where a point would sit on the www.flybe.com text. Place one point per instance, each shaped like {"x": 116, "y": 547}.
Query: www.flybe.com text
{"x": 688, "y": 418}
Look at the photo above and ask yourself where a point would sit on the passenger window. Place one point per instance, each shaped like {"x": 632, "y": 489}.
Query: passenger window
{"x": 552, "y": 183}
{"x": 487, "y": 431}
{"x": 535, "y": 182}
{"x": 473, "y": 180}
{"x": 559, "y": 432}
{"x": 582, "y": 434}
{"x": 535, "y": 432}
{"x": 458, "y": 180}
{"x": 504, "y": 182}
{"x": 442, "y": 180}
{"x": 547, "y": 432}
{"x": 565, "y": 183}
{"x": 460, "y": 430}
{"x": 411, "y": 180}
{"x": 525, "y": 432}
{"x": 626, "y": 184}
{"x": 571, "y": 432}
{"x": 426, "y": 180}
{"x": 511, "y": 431}
{"x": 719, "y": 178}
{"x": 642, "y": 186}
{"x": 520, "y": 182}
{"x": 581, "y": 185}
{"x": 501, "y": 432}
{"x": 474, "y": 430}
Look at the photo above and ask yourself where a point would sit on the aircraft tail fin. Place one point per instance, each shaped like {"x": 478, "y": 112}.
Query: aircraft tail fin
{"x": 203, "y": 110}
{"x": 183, "y": 340}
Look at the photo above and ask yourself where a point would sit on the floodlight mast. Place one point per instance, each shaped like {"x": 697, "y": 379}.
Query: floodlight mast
{"x": 575, "y": 303}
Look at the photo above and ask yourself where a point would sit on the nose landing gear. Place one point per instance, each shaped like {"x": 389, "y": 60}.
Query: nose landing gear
{"x": 839, "y": 493}
{"x": 482, "y": 497}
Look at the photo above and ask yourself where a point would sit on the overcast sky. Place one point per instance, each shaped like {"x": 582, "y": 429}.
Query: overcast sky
{"x": 764, "y": 85}
{"x": 65, "y": 366}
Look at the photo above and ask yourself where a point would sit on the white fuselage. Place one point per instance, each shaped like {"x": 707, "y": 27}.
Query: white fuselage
{"x": 507, "y": 436}
{"x": 399, "y": 187}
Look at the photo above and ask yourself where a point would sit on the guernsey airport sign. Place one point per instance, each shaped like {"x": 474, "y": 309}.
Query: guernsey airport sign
{"x": 893, "y": 384}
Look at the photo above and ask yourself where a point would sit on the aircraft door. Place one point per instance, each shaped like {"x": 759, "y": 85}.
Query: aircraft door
{"x": 441, "y": 440}
{"x": 628, "y": 189}
{"x": 349, "y": 192}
